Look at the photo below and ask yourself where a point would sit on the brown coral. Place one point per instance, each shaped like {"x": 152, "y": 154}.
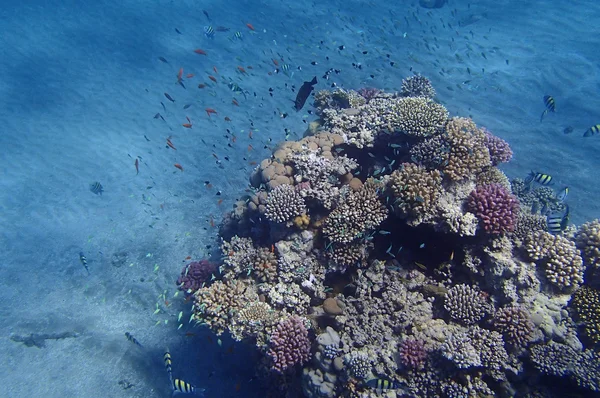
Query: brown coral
{"x": 468, "y": 154}
{"x": 284, "y": 203}
{"x": 588, "y": 240}
{"x": 558, "y": 256}
{"x": 416, "y": 191}
{"x": 362, "y": 211}
{"x": 217, "y": 304}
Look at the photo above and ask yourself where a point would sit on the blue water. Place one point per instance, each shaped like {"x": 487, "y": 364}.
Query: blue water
{"x": 82, "y": 82}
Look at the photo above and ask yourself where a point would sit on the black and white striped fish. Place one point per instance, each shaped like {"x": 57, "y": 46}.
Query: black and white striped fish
{"x": 83, "y": 260}
{"x": 96, "y": 188}
{"x": 132, "y": 339}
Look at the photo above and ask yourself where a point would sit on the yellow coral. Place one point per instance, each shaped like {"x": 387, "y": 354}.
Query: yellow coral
{"x": 468, "y": 154}
{"x": 416, "y": 190}
{"x": 302, "y": 221}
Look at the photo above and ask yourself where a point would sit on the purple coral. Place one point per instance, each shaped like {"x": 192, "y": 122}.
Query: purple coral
{"x": 412, "y": 353}
{"x": 495, "y": 207}
{"x": 368, "y": 93}
{"x": 194, "y": 275}
{"x": 289, "y": 345}
{"x": 500, "y": 151}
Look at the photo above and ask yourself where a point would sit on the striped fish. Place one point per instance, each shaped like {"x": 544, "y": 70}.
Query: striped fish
{"x": 595, "y": 129}
{"x": 209, "y": 32}
{"x": 132, "y": 339}
{"x": 236, "y": 89}
{"x": 83, "y": 260}
{"x": 550, "y": 106}
{"x": 184, "y": 387}
{"x": 383, "y": 384}
{"x": 540, "y": 178}
{"x": 562, "y": 195}
{"x": 168, "y": 365}
{"x": 558, "y": 223}
{"x": 96, "y": 188}
{"x": 237, "y": 36}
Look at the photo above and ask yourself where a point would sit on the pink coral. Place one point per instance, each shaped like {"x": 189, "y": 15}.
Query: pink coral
{"x": 495, "y": 207}
{"x": 412, "y": 353}
{"x": 289, "y": 345}
{"x": 500, "y": 151}
{"x": 194, "y": 275}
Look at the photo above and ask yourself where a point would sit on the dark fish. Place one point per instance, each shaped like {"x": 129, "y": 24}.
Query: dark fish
{"x": 158, "y": 115}
{"x": 163, "y": 59}
{"x": 97, "y": 188}
{"x": 187, "y": 106}
{"x": 178, "y": 31}
{"x": 303, "y": 93}
{"x": 206, "y": 14}
{"x": 595, "y": 129}
{"x": 550, "y": 106}
{"x": 132, "y": 339}
{"x": 222, "y": 29}
{"x": 540, "y": 178}
{"x": 558, "y": 223}
{"x": 84, "y": 261}
{"x": 169, "y": 97}
{"x": 568, "y": 130}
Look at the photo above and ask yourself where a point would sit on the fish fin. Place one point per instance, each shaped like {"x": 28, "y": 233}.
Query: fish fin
{"x": 313, "y": 81}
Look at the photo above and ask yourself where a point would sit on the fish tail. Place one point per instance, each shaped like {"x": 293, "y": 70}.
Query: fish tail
{"x": 543, "y": 114}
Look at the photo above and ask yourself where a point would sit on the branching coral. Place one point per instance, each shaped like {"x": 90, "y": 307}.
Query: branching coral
{"x": 217, "y": 304}
{"x": 465, "y": 304}
{"x": 495, "y": 207}
{"x": 416, "y": 192}
{"x": 586, "y": 306}
{"x": 515, "y": 324}
{"x": 290, "y": 345}
{"x": 558, "y": 256}
{"x": 195, "y": 274}
{"x": 361, "y": 212}
{"x": 412, "y": 353}
{"x": 468, "y": 155}
{"x": 284, "y": 203}
{"x": 588, "y": 240}
{"x": 500, "y": 151}
{"x": 417, "y": 86}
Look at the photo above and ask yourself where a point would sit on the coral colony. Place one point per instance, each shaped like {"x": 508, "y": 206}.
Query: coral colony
{"x": 385, "y": 254}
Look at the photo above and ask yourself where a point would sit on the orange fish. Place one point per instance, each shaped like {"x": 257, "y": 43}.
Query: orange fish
{"x": 219, "y": 202}
{"x": 201, "y": 85}
{"x": 187, "y": 125}
{"x": 242, "y": 70}
{"x": 250, "y": 134}
{"x": 170, "y": 144}
{"x": 234, "y": 102}
{"x": 180, "y": 74}
{"x": 200, "y": 51}
{"x": 250, "y": 147}
{"x": 209, "y": 111}
{"x": 180, "y": 167}
{"x": 272, "y": 248}
{"x": 275, "y": 62}
{"x": 212, "y": 222}
{"x": 215, "y": 156}
{"x": 214, "y": 79}
{"x": 227, "y": 119}
{"x": 253, "y": 163}
{"x": 189, "y": 75}
{"x": 233, "y": 139}
{"x": 208, "y": 186}
{"x": 249, "y": 25}
{"x": 137, "y": 166}
{"x": 215, "y": 69}
{"x": 166, "y": 303}
{"x": 188, "y": 258}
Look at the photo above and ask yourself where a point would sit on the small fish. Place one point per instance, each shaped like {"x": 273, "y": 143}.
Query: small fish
{"x": 249, "y": 25}
{"x": 209, "y": 111}
{"x": 206, "y": 14}
{"x": 200, "y": 51}
{"x": 187, "y": 125}
{"x": 169, "y": 97}
{"x": 209, "y": 32}
{"x": 595, "y": 129}
{"x": 97, "y": 188}
{"x": 170, "y": 144}
{"x": 558, "y": 223}
{"x": 222, "y": 29}
{"x": 168, "y": 364}
{"x": 562, "y": 195}
{"x": 84, "y": 262}
{"x": 180, "y": 167}
{"x": 550, "y": 106}
{"x": 540, "y": 178}
{"x": 383, "y": 384}
{"x": 214, "y": 79}
{"x": 237, "y": 36}
{"x": 132, "y": 339}
{"x": 137, "y": 166}
{"x": 236, "y": 88}
{"x": 163, "y": 59}
{"x": 303, "y": 93}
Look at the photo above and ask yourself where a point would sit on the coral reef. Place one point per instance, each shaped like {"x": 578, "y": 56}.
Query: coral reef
{"x": 386, "y": 248}
{"x": 195, "y": 275}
